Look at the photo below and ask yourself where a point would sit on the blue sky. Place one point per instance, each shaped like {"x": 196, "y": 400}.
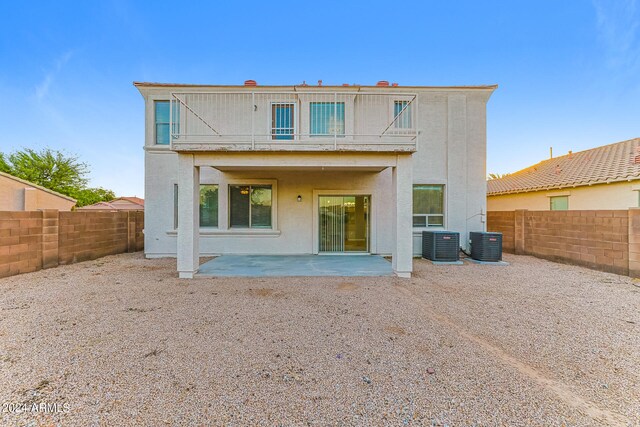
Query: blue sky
{"x": 569, "y": 72}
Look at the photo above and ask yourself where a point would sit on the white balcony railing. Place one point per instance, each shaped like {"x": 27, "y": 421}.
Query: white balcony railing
{"x": 293, "y": 121}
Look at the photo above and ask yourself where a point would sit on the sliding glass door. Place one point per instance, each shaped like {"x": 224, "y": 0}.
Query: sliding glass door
{"x": 344, "y": 223}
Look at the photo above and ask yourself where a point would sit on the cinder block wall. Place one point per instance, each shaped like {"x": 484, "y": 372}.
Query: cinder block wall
{"x": 91, "y": 235}
{"x": 503, "y": 221}
{"x": 30, "y": 241}
{"x": 20, "y": 242}
{"x": 139, "y": 227}
{"x": 595, "y": 239}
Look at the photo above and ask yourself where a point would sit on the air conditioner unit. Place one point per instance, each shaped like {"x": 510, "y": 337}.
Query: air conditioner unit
{"x": 441, "y": 245}
{"x": 486, "y": 246}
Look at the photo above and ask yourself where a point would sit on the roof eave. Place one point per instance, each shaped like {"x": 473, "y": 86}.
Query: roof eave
{"x": 491, "y": 87}
{"x": 561, "y": 187}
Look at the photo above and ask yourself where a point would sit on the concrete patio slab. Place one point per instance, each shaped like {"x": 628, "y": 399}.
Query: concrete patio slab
{"x": 295, "y": 265}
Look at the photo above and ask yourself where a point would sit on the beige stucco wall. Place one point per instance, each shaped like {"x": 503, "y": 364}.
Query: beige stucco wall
{"x": 18, "y": 196}
{"x": 620, "y": 195}
{"x": 293, "y": 231}
{"x": 451, "y": 150}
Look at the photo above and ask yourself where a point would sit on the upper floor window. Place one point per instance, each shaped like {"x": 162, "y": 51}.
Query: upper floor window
{"x": 559, "y": 203}
{"x": 402, "y": 115}
{"x": 326, "y": 118}
{"x": 250, "y": 206}
{"x": 428, "y": 205}
{"x": 282, "y": 120}
{"x": 162, "y": 119}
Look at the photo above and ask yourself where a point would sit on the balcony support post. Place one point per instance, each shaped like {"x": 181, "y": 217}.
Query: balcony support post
{"x": 402, "y": 249}
{"x": 189, "y": 216}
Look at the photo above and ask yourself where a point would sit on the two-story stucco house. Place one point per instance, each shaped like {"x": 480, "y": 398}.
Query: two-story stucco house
{"x": 310, "y": 169}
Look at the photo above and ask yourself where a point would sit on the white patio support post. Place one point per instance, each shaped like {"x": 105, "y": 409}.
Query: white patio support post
{"x": 402, "y": 254}
{"x": 188, "y": 216}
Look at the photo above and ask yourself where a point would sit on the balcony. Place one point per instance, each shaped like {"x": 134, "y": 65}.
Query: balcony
{"x": 293, "y": 121}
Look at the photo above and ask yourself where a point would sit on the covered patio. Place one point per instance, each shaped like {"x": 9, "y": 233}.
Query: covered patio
{"x": 295, "y": 265}
{"x": 293, "y": 226}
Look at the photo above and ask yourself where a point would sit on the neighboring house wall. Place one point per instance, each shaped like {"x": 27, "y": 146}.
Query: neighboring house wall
{"x": 17, "y": 195}
{"x": 450, "y": 151}
{"x": 618, "y": 195}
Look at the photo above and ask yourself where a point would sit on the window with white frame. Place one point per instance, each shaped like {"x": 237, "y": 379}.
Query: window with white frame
{"x": 428, "y": 205}
{"x": 282, "y": 120}
{"x": 326, "y": 118}
{"x": 162, "y": 119}
{"x": 402, "y": 115}
{"x": 250, "y": 206}
{"x": 559, "y": 203}
{"x": 208, "y": 205}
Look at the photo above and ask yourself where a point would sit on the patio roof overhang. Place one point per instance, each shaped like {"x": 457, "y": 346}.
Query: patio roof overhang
{"x": 302, "y": 168}
{"x": 357, "y": 162}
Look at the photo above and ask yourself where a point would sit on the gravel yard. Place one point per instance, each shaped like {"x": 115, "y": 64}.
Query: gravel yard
{"x": 122, "y": 341}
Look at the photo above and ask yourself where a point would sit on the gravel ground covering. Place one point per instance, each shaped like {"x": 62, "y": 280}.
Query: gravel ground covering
{"x": 122, "y": 341}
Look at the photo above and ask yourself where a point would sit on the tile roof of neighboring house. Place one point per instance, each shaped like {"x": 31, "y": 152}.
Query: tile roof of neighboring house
{"x": 609, "y": 163}
{"x": 119, "y": 204}
{"x": 39, "y": 187}
{"x": 134, "y": 199}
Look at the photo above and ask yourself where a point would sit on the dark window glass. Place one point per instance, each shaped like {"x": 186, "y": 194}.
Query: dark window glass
{"x": 261, "y": 206}
{"x": 239, "y": 205}
{"x": 326, "y": 118}
{"x": 282, "y": 121}
{"x": 250, "y": 206}
{"x": 175, "y": 206}
{"x": 428, "y": 205}
{"x": 162, "y": 118}
{"x": 402, "y": 114}
{"x": 208, "y": 205}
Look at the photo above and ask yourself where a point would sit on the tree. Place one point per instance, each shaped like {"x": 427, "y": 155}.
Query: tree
{"x": 50, "y": 169}
{"x": 89, "y": 196}
{"x": 4, "y": 166}
{"x": 498, "y": 175}
{"x": 56, "y": 171}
